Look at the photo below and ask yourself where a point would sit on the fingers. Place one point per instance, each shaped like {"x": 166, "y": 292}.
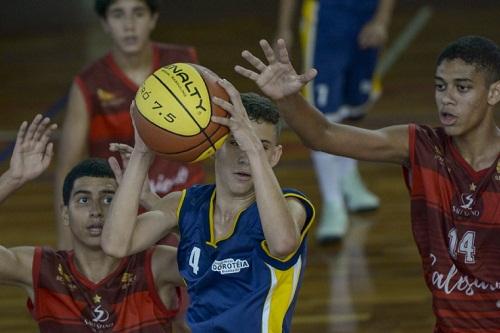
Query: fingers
{"x": 221, "y": 120}
{"x": 115, "y": 166}
{"x": 33, "y": 127}
{"x": 47, "y": 157}
{"x": 268, "y": 51}
{"x": 40, "y": 129}
{"x": 309, "y": 75}
{"x": 21, "y": 133}
{"x": 282, "y": 51}
{"x": 253, "y": 60}
{"x": 246, "y": 73}
{"x": 120, "y": 147}
{"x": 234, "y": 96}
{"x": 46, "y": 136}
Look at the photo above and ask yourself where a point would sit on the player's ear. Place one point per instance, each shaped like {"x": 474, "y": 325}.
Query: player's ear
{"x": 494, "y": 93}
{"x": 104, "y": 24}
{"x": 276, "y": 155}
{"x": 65, "y": 215}
{"x": 154, "y": 20}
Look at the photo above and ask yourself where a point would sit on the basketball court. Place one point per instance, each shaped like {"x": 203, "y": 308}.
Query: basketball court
{"x": 372, "y": 282}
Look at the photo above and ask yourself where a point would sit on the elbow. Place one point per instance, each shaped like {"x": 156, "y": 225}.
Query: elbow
{"x": 285, "y": 247}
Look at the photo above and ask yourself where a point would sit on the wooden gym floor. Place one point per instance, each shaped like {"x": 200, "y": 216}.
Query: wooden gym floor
{"x": 372, "y": 282}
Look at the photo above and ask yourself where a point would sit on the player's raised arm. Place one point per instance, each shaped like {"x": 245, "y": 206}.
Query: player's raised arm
{"x": 124, "y": 232}
{"x": 32, "y": 154}
{"x": 279, "y": 80}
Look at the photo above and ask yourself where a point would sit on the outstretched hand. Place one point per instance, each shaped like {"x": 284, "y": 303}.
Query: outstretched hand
{"x": 33, "y": 151}
{"x": 277, "y": 79}
{"x": 148, "y": 197}
{"x": 239, "y": 124}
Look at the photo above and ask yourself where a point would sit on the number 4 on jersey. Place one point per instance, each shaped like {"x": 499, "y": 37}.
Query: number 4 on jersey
{"x": 194, "y": 259}
{"x": 465, "y": 246}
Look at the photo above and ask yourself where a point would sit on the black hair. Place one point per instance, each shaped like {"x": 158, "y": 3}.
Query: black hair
{"x": 91, "y": 167}
{"x": 260, "y": 108}
{"x": 480, "y": 52}
{"x": 101, "y": 6}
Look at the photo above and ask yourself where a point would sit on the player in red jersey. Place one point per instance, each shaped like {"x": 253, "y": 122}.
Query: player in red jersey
{"x": 84, "y": 290}
{"x": 452, "y": 171}
{"x": 99, "y": 100}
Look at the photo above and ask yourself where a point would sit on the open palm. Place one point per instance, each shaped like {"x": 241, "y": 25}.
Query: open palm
{"x": 33, "y": 151}
{"x": 277, "y": 79}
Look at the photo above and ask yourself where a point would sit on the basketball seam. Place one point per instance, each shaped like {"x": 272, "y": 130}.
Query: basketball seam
{"x": 187, "y": 111}
{"x": 193, "y": 147}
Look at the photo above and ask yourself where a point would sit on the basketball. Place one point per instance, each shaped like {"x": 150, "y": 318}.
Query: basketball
{"x": 173, "y": 112}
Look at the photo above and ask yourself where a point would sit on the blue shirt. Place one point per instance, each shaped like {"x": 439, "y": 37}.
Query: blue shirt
{"x": 234, "y": 284}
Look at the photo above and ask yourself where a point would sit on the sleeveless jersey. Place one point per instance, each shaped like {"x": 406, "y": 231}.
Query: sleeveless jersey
{"x": 234, "y": 284}
{"x": 455, "y": 214}
{"x": 125, "y": 301}
{"x": 108, "y": 93}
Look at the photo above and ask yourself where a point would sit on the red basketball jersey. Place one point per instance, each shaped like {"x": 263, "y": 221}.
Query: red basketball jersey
{"x": 125, "y": 301}
{"x": 455, "y": 214}
{"x": 108, "y": 93}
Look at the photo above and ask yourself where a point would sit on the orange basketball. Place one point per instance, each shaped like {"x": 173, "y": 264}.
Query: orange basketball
{"x": 174, "y": 109}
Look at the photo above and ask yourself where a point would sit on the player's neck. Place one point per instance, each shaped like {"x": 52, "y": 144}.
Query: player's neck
{"x": 227, "y": 206}
{"x": 132, "y": 62}
{"x": 95, "y": 265}
{"x": 480, "y": 147}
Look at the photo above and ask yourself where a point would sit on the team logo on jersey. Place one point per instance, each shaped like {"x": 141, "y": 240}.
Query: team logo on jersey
{"x": 438, "y": 155}
{"x": 229, "y": 266}
{"x": 467, "y": 206}
{"x": 128, "y": 279}
{"x": 108, "y": 99}
{"x": 99, "y": 319}
{"x": 65, "y": 278}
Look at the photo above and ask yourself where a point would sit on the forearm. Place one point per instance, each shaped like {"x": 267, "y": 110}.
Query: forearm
{"x": 304, "y": 119}
{"x": 286, "y": 14}
{"x": 279, "y": 228}
{"x": 384, "y": 11}
{"x": 8, "y": 185}
{"x": 120, "y": 224}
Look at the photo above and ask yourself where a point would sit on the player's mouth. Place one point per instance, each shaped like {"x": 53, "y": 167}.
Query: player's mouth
{"x": 130, "y": 40}
{"x": 447, "y": 119}
{"x": 95, "y": 229}
{"x": 244, "y": 176}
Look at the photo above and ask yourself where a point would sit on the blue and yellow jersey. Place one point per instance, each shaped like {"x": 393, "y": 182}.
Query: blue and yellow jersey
{"x": 234, "y": 284}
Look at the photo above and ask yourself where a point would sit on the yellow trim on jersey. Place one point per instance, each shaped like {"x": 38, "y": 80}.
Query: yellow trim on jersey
{"x": 280, "y": 296}
{"x": 181, "y": 202}
{"x": 213, "y": 242}
{"x": 308, "y": 40}
{"x": 306, "y": 228}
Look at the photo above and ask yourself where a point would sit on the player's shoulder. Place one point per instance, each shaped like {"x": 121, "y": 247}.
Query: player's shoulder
{"x": 426, "y": 133}
{"x": 170, "y": 53}
{"x": 96, "y": 66}
{"x": 173, "y": 47}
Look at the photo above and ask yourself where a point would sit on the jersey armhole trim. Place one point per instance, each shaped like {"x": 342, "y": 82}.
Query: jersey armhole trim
{"x": 35, "y": 272}
{"x": 308, "y": 223}
{"x": 148, "y": 270}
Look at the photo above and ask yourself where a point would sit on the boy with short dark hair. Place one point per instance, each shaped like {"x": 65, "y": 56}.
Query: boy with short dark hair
{"x": 452, "y": 171}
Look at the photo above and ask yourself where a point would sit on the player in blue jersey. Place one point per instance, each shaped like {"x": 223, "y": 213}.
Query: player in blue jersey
{"x": 341, "y": 39}
{"x": 242, "y": 250}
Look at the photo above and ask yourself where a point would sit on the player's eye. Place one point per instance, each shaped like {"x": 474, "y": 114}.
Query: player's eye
{"x": 463, "y": 88}
{"x": 83, "y": 200}
{"x": 108, "y": 199}
{"x": 140, "y": 12}
{"x": 116, "y": 14}
{"x": 439, "y": 86}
